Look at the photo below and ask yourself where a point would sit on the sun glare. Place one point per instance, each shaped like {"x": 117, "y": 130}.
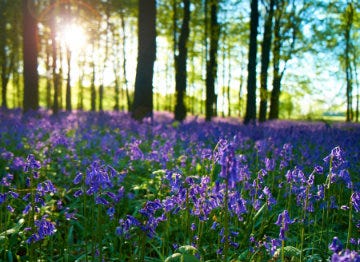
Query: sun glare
{"x": 73, "y": 36}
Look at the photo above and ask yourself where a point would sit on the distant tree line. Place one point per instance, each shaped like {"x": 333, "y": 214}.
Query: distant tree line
{"x": 206, "y": 52}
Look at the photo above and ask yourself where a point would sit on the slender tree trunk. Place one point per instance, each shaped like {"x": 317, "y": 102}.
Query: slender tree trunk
{"x": 357, "y": 92}
{"x": 180, "y": 64}
{"x": 211, "y": 64}
{"x": 124, "y": 63}
{"x": 348, "y": 68}
{"x": 7, "y": 56}
{"x": 93, "y": 88}
{"x": 68, "y": 81}
{"x": 229, "y": 83}
{"x": 275, "y": 93}
{"x": 81, "y": 92}
{"x": 48, "y": 78}
{"x": 265, "y": 59}
{"x": 143, "y": 99}
{"x": 250, "y": 115}
{"x": 55, "y": 74}
{"x": 30, "y": 54}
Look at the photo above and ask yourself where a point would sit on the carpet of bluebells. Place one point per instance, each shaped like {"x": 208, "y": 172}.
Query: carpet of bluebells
{"x": 88, "y": 186}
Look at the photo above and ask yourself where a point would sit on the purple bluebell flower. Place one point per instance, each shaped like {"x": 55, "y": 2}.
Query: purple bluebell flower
{"x": 44, "y": 228}
{"x": 2, "y": 198}
{"x": 269, "y": 164}
{"x": 78, "y": 193}
{"x": 214, "y": 225}
{"x": 26, "y": 197}
{"x": 102, "y": 201}
{"x": 346, "y": 256}
{"x": 345, "y": 177}
{"x": 78, "y": 178}
{"x": 97, "y": 177}
{"x": 110, "y": 212}
{"x": 27, "y": 209}
{"x": 125, "y": 226}
{"x": 70, "y": 215}
{"x": 355, "y": 201}
{"x": 270, "y": 200}
{"x": 10, "y": 208}
{"x": 283, "y": 222}
{"x": 336, "y": 158}
{"x": 336, "y": 246}
{"x": 193, "y": 227}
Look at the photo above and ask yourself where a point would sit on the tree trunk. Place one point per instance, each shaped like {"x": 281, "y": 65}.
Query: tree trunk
{"x": 265, "y": 58}
{"x": 124, "y": 62}
{"x": 275, "y": 93}
{"x": 143, "y": 99}
{"x": 211, "y": 64}
{"x": 56, "y": 77}
{"x": 68, "y": 81}
{"x": 101, "y": 97}
{"x": 7, "y": 55}
{"x": 93, "y": 88}
{"x": 180, "y": 64}
{"x": 250, "y": 114}
{"x": 48, "y": 74}
{"x": 30, "y": 53}
{"x": 348, "y": 67}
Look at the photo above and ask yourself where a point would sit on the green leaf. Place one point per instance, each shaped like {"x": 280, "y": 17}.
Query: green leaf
{"x": 187, "y": 249}
{"x": 13, "y": 230}
{"x": 290, "y": 252}
{"x": 190, "y": 258}
{"x": 173, "y": 258}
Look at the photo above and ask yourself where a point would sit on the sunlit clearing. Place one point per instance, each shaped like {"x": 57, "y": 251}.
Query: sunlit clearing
{"x": 73, "y": 36}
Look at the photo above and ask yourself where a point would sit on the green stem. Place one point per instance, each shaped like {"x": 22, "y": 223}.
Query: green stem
{"x": 226, "y": 221}
{"x": 349, "y": 227}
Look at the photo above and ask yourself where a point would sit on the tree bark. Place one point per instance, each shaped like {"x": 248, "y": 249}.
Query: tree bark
{"x": 56, "y": 76}
{"x": 265, "y": 59}
{"x": 211, "y": 64}
{"x": 250, "y": 114}
{"x": 348, "y": 67}
{"x": 30, "y": 53}
{"x": 143, "y": 99}
{"x": 275, "y": 93}
{"x": 180, "y": 64}
{"x": 68, "y": 81}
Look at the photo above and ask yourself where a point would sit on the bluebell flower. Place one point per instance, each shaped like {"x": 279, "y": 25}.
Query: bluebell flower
{"x": 44, "y": 228}
{"x": 70, "y": 215}
{"x": 336, "y": 246}
{"x": 97, "y": 178}
{"x": 27, "y": 209}
{"x": 193, "y": 227}
{"x": 31, "y": 163}
{"x": 283, "y": 222}
{"x": 345, "y": 177}
{"x": 346, "y": 256}
{"x": 10, "y": 208}
{"x": 101, "y": 201}
{"x": 78, "y": 178}
{"x": 269, "y": 164}
{"x": 78, "y": 193}
{"x": 110, "y": 212}
{"x": 336, "y": 157}
{"x": 355, "y": 201}
{"x": 2, "y": 198}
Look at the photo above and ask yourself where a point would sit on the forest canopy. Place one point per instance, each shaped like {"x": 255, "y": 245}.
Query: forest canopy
{"x": 250, "y": 59}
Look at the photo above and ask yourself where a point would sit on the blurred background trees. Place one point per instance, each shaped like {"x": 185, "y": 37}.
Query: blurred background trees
{"x": 86, "y": 54}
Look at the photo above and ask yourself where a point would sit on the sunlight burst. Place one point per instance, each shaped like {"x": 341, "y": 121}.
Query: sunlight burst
{"x": 74, "y": 37}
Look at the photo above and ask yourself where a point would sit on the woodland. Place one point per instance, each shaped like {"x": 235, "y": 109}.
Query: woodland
{"x": 179, "y": 130}
{"x": 256, "y": 61}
